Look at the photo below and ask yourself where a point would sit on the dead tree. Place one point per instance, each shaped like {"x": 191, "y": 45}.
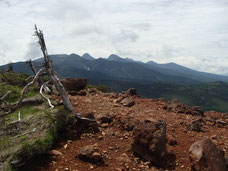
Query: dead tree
{"x": 49, "y": 69}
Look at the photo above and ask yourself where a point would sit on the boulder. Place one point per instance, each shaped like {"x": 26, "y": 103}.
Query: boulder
{"x": 197, "y": 111}
{"x": 74, "y": 84}
{"x": 127, "y": 102}
{"x": 149, "y": 142}
{"x": 132, "y": 91}
{"x": 205, "y": 156}
{"x": 91, "y": 153}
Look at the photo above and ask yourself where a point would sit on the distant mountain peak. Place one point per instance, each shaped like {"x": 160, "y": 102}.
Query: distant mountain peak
{"x": 114, "y": 57}
{"x": 87, "y": 56}
{"x": 151, "y": 62}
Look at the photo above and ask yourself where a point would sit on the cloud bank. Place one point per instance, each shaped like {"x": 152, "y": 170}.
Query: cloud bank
{"x": 193, "y": 33}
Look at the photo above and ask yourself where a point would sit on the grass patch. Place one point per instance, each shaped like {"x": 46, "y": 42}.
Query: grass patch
{"x": 15, "y": 92}
{"x": 25, "y": 111}
{"x": 18, "y": 148}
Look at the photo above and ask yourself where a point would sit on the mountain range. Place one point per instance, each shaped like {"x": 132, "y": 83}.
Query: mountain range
{"x": 152, "y": 80}
{"x": 122, "y": 69}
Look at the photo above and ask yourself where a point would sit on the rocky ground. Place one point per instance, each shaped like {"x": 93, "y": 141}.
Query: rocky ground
{"x": 121, "y": 117}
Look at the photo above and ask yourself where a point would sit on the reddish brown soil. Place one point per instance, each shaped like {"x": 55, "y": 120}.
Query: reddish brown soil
{"x": 118, "y": 141}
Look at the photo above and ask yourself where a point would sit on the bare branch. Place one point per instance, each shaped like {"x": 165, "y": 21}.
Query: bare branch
{"x": 5, "y": 96}
{"x": 49, "y": 101}
{"x": 24, "y": 91}
{"x": 29, "y": 78}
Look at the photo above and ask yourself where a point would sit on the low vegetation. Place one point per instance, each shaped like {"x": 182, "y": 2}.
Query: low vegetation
{"x": 102, "y": 88}
{"x": 30, "y": 130}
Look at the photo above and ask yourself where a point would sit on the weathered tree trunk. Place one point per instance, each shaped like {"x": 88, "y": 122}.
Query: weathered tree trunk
{"x": 54, "y": 79}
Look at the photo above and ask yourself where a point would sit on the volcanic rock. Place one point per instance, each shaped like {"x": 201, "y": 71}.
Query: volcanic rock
{"x": 178, "y": 107}
{"x": 127, "y": 102}
{"x": 149, "y": 141}
{"x": 196, "y": 125}
{"x": 197, "y": 111}
{"x": 74, "y": 84}
{"x": 205, "y": 156}
{"x": 90, "y": 153}
{"x": 128, "y": 123}
{"x": 131, "y": 91}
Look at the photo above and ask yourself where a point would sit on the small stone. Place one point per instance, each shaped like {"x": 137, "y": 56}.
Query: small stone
{"x": 111, "y": 148}
{"x": 104, "y": 125}
{"x": 124, "y": 158}
{"x": 100, "y": 138}
{"x": 65, "y": 146}
{"x": 55, "y": 152}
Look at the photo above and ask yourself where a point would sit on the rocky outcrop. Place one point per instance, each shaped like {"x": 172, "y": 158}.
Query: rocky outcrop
{"x": 178, "y": 107}
{"x": 205, "y": 156}
{"x": 149, "y": 141}
{"x": 74, "y": 84}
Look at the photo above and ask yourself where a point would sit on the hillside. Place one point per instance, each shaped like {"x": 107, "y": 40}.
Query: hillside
{"x": 113, "y": 142}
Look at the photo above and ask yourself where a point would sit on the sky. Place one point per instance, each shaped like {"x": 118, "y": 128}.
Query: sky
{"x": 192, "y": 33}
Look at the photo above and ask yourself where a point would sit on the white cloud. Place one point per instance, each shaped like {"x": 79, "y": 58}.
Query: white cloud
{"x": 184, "y": 31}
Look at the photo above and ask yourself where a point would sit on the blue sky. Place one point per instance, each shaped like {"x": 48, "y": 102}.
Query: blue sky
{"x": 193, "y": 33}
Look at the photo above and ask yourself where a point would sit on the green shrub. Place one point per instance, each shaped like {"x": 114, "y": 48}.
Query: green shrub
{"x": 102, "y": 88}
